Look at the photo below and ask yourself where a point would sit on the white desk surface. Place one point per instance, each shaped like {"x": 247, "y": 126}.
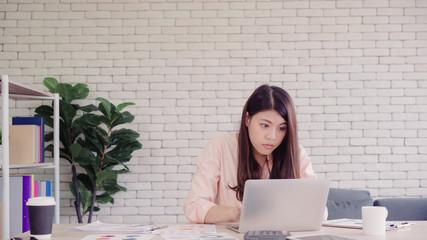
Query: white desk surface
{"x": 418, "y": 231}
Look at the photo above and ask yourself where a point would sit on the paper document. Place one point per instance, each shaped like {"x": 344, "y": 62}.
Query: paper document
{"x": 111, "y": 227}
{"x": 119, "y": 237}
{"x": 187, "y": 229}
{"x": 205, "y": 236}
{"x": 344, "y": 222}
{"x": 358, "y": 224}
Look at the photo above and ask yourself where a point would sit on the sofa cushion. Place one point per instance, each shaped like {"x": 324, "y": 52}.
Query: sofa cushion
{"x": 409, "y": 209}
{"x": 347, "y": 203}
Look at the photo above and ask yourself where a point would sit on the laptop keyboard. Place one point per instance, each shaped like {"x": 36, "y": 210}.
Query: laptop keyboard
{"x": 265, "y": 235}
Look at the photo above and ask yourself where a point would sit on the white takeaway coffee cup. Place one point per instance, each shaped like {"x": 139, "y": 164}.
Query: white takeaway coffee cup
{"x": 374, "y": 220}
{"x": 40, "y": 212}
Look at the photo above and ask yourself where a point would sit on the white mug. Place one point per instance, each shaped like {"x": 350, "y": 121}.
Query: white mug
{"x": 374, "y": 220}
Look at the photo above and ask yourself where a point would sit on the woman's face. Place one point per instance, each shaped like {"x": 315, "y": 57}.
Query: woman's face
{"x": 266, "y": 131}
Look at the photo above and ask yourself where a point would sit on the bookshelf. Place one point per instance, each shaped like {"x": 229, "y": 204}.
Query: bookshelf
{"x": 18, "y": 92}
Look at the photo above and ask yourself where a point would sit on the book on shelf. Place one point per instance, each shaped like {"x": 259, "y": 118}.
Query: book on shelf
{"x": 36, "y": 189}
{"x": 23, "y": 144}
{"x": 44, "y": 189}
{"x": 21, "y": 189}
{"x": 49, "y": 189}
{"x": 27, "y": 189}
{"x": 38, "y": 121}
{"x": 15, "y": 207}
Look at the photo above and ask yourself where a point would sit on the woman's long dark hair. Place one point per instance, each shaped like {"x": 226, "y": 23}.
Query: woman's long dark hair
{"x": 286, "y": 155}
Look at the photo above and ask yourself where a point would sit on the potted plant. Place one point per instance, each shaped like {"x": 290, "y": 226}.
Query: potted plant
{"x": 91, "y": 138}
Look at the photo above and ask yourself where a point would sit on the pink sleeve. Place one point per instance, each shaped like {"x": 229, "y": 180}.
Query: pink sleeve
{"x": 306, "y": 171}
{"x": 204, "y": 186}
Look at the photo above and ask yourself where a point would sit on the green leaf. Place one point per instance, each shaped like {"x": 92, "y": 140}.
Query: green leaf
{"x": 125, "y": 149}
{"x": 88, "y": 108}
{"x": 104, "y": 198}
{"x": 80, "y": 91}
{"x": 86, "y": 161}
{"x": 124, "y": 135}
{"x": 105, "y": 178}
{"x": 85, "y": 195}
{"x": 125, "y": 117}
{"x": 48, "y": 137}
{"x": 86, "y": 181}
{"x": 71, "y": 187}
{"x": 67, "y": 113}
{"x": 109, "y": 161}
{"x": 123, "y": 105}
{"x": 95, "y": 139}
{"x": 69, "y": 93}
{"x": 88, "y": 120}
{"x": 91, "y": 173}
{"x": 47, "y": 113}
{"x": 105, "y": 120}
{"x": 114, "y": 188}
{"x": 65, "y": 91}
{"x": 104, "y": 105}
{"x": 77, "y": 151}
{"x": 51, "y": 84}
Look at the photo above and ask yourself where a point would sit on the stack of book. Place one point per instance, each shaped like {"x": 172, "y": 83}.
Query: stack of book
{"x": 23, "y": 187}
{"x": 26, "y": 144}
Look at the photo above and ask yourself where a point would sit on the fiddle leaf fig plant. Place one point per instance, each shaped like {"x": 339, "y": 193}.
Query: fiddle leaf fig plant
{"x": 108, "y": 149}
{"x": 91, "y": 140}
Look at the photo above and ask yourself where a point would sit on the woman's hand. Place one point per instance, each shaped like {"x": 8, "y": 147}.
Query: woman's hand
{"x": 219, "y": 214}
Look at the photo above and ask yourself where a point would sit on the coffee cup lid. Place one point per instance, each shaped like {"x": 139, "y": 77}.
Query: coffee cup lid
{"x": 41, "y": 201}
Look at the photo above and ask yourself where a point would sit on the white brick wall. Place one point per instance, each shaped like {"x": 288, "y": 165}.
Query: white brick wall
{"x": 356, "y": 69}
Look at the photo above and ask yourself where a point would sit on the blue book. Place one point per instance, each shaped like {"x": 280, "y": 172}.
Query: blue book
{"x": 39, "y": 121}
{"x": 48, "y": 188}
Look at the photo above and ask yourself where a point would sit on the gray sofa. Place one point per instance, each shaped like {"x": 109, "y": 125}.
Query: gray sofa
{"x": 404, "y": 208}
{"x": 347, "y": 203}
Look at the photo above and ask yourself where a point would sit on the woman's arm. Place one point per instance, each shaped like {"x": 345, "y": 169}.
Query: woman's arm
{"x": 204, "y": 187}
{"x": 218, "y": 214}
{"x": 306, "y": 168}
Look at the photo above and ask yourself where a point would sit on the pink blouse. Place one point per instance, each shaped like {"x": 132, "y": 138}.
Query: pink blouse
{"x": 217, "y": 172}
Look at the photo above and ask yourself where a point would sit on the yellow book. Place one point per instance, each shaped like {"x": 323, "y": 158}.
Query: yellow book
{"x": 23, "y": 144}
{"x": 33, "y": 188}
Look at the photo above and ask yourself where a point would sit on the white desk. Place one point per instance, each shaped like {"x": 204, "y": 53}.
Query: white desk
{"x": 418, "y": 231}
{"x": 415, "y": 232}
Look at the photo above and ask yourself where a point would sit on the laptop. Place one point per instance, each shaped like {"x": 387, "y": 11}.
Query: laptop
{"x": 284, "y": 204}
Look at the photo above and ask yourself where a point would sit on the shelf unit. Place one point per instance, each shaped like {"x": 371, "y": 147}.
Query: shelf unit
{"x": 18, "y": 92}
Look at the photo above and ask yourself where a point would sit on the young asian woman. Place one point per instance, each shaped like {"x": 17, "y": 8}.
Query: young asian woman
{"x": 266, "y": 147}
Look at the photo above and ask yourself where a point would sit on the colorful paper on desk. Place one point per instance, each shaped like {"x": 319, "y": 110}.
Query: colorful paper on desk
{"x": 112, "y": 228}
{"x": 119, "y": 237}
{"x": 357, "y": 224}
{"x": 205, "y": 236}
{"x": 188, "y": 229}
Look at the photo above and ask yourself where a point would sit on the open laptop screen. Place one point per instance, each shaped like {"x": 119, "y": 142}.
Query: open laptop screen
{"x": 284, "y": 204}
